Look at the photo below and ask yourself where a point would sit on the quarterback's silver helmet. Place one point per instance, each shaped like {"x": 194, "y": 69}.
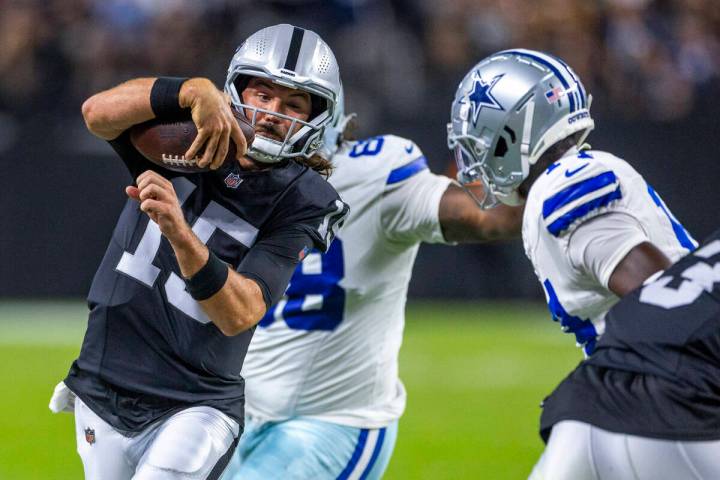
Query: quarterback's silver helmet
{"x": 333, "y": 135}
{"x": 296, "y": 58}
{"x": 508, "y": 110}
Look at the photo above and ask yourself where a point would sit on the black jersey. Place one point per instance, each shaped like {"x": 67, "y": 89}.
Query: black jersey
{"x": 149, "y": 348}
{"x": 656, "y": 370}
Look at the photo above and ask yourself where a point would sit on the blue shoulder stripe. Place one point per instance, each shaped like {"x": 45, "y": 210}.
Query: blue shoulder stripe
{"x": 407, "y": 170}
{"x": 577, "y": 190}
{"x": 566, "y": 220}
{"x": 682, "y": 235}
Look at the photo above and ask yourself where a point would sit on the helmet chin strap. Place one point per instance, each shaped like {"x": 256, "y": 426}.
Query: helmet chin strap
{"x": 513, "y": 198}
{"x": 266, "y": 150}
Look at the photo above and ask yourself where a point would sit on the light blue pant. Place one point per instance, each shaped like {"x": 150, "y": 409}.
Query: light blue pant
{"x": 305, "y": 448}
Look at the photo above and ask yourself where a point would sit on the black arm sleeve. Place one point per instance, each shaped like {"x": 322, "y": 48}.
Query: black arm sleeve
{"x": 272, "y": 260}
{"x": 309, "y": 216}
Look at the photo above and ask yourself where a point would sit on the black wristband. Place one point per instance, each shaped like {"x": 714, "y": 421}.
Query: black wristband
{"x": 164, "y": 96}
{"x": 208, "y": 280}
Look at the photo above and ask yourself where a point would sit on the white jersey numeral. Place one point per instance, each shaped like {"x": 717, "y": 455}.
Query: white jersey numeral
{"x": 696, "y": 279}
{"x": 138, "y": 265}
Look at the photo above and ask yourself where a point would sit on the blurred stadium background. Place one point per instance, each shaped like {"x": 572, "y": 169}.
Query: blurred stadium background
{"x": 475, "y": 370}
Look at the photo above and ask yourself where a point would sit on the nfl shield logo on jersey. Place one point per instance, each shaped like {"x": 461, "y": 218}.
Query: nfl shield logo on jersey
{"x": 233, "y": 180}
{"x": 90, "y": 435}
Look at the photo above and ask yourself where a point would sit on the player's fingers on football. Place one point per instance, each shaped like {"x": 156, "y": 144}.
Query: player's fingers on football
{"x": 239, "y": 138}
{"x": 222, "y": 149}
{"x": 210, "y": 149}
{"x": 197, "y": 144}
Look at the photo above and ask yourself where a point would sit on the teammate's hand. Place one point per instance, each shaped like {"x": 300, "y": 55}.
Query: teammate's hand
{"x": 215, "y": 122}
{"x": 158, "y": 199}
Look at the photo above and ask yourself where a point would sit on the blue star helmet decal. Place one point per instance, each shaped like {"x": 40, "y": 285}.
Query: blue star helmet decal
{"x": 481, "y": 96}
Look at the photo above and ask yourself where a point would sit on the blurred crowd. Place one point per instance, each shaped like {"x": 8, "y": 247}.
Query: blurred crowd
{"x": 400, "y": 59}
{"x": 651, "y": 65}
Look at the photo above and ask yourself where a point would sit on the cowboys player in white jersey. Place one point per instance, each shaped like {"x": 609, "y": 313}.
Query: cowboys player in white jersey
{"x": 593, "y": 228}
{"x": 323, "y": 396}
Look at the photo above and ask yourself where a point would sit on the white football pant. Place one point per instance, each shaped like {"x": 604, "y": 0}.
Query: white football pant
{"x": 579, "y": 451}
{"x": 195, "y": 443}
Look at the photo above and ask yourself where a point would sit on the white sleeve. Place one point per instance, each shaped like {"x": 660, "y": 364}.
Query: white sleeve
{"x": 409, "y": 209}
{"x": 599, "y": 244}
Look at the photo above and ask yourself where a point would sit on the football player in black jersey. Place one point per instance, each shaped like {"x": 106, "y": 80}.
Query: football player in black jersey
{"x": 646, "y": 404}
{"x": 196, "y": 260}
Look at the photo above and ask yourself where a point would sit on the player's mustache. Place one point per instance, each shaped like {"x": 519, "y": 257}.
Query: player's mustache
{"x": 269, "y": 130}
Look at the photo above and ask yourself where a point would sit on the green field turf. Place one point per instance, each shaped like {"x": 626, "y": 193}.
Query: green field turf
{"x": 475, "y": 374}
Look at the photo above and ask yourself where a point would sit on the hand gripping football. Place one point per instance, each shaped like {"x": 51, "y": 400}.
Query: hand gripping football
{"x": 165, "y": 142}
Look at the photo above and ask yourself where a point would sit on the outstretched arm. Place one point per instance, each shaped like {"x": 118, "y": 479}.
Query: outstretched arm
{"x": 109, "y": 113}
{"x": 463, "y": 221}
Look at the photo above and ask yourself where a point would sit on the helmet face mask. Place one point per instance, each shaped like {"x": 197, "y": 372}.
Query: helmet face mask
{"x": 290, "y": 57}
{"x": 470, "y": 154}
{"x": 508, "y": 110}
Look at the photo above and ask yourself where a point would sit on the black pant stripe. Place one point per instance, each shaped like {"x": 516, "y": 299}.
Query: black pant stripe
{"x": 222, "y": 463}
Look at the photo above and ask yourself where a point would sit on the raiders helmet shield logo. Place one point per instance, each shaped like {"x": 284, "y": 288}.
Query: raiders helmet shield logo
{"x": 233, "y": 180}
{"x": 90, "y": 435}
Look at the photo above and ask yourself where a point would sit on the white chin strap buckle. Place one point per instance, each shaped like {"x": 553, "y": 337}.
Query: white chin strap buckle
{"x": 267, "y": 150}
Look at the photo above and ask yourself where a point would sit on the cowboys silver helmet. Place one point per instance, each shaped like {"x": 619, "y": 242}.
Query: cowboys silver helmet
{"x": 296, "y": 58}
{"x": 508, "y": 110}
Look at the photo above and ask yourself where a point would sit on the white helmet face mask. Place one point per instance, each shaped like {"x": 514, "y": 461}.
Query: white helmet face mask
{"x": 508, "y": 110}
{"x": 295, "y": 58}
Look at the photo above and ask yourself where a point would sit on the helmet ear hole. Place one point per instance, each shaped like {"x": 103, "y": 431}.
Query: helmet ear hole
{"x": 501, "y": 148}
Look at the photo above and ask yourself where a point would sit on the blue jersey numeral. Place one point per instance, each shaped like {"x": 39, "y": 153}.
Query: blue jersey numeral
{"x": 369, "y": 147}
{"x": 314, "y": 300}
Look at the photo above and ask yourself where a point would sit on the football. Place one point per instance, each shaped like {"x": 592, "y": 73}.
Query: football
{"x": 165, "y": 142}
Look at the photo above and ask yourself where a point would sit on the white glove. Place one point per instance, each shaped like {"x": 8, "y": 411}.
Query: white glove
{"x": 63, "y": 399}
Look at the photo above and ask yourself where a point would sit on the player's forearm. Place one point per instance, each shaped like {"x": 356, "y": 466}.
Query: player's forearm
{"x": 109, "y": 113}
{"x": 238, "y": 305}
{"x": 463, "y": 221}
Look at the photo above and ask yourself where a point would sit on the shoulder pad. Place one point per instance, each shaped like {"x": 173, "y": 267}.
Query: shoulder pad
{"x": 577, "y": 188}
{"x": 400, "y": 157}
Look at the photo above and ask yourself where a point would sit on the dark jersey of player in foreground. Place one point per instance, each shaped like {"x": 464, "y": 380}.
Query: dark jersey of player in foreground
{"x": 656, "y": 370}
{"x": 149, "y": 349}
